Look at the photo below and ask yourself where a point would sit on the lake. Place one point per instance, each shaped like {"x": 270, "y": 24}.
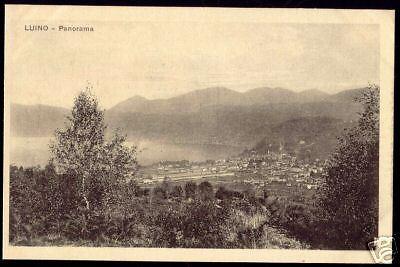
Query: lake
{"x": 32, "y": 151}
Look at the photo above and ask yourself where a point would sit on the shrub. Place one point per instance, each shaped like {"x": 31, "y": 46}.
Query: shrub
{"x": 224, "y": 194}
{"x": 195, "y": 224}
{"x": 206, "y": 191}
{"x": 190, "y": 190}
{"x": 129, "y": 220}
{"x": 177, "y": 192}
{"x": 159, "y": 193}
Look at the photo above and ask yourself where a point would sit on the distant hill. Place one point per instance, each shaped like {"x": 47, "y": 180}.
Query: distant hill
{"x": 220, "y": 96}
{"x": 266, "y": 95}
{"x": 214, "y": 116}
{"x": 347, "y": 95}
{"x": 132, "y": 104}
{"x": 227, "y": 125}
{"x": 190, "y": 102}
{"x": 314, "y": 137}
{"x": 312, "y": 95}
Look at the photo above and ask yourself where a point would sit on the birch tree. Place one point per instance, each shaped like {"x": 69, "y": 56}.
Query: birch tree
{"x": 80, "y": 149}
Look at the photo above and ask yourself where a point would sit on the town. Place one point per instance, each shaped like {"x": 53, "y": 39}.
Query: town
{"x": 281, "y": 173}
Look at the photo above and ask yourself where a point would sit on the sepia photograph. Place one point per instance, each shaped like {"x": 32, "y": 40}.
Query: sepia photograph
{"x": 198, "y": 134}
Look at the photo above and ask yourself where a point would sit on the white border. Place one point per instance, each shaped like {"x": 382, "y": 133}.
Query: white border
{"x": 385, "y": 18}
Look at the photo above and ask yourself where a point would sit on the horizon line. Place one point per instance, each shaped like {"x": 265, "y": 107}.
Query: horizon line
{"x": 206, "y": 88}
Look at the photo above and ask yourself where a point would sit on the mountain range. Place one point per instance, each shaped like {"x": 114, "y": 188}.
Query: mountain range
{"x": 218, "y": 116}
{"x": 197, "y": 100}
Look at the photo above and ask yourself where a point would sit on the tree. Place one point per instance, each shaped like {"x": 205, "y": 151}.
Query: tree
{"x": 350, "y": 195}
{"x": 166, "y": 186}
{"x": 177, "y": 192}
{"x": 81, "y": 150}
{"x": 222, "y": 193}
{"x": 206, "y": 191}
{"x": 249, "y": 193}
{"x": 190, "y": 190}
{"x": 159, "y": 193}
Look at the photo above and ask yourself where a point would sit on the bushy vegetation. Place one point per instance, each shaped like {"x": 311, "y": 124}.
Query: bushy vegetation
{"x": 350, "y": 196}
{"x": 160, "y": 219}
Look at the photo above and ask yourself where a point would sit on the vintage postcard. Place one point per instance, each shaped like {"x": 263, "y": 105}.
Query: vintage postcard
{"x": 198, "y": 134}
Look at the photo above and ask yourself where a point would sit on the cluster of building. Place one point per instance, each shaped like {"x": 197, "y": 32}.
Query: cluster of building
{"x": 272, "y": 169}
{"x": 282, "y": 169}
{"x": 184, "y": 170}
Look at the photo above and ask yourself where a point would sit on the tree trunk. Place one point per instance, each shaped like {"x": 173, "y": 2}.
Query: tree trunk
{"x": 84, "y": 193}
{"x": 87, "y": 202}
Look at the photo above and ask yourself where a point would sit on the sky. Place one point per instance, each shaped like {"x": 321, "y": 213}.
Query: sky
{"x": 165, "y": 59}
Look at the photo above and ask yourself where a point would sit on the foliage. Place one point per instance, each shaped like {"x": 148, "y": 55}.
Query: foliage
{"x": 190, "y": 190}
{"x": 206, "y": 191}
{"x": 133, "y": 219}
{"x": 224, "y": 194}
{"x": 350, "y": 199}
{"x": 81, "y": 150}
{"x": 159, "y": 193}
{"x": 177, "y": 192}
